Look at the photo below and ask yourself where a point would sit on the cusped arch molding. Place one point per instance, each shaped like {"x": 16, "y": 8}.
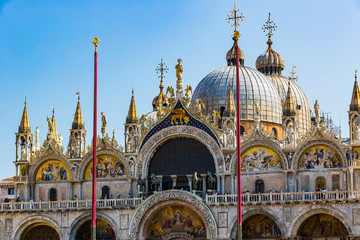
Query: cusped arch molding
{"x": 319, "y": 155}
{"x": 173, "y": 198}
{"x": 53, "y": 167}
{"x": 166, "y": 134}
{"x": 260, "y": 156}
{"x": 298, "y": 222}
{"x": 111, "y": 164}
{"x": 22, "y": 227}
{"x": 82, "y": 219}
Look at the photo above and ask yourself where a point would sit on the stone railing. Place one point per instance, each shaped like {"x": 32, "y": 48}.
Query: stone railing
{"x": 65, "y": 205}
{"x": 293, "y": 197}
{"x": 354, "y": 163}
{"x": 21, "y": 178}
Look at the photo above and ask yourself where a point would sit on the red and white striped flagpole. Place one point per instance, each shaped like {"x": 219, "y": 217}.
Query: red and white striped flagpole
{"x": 93, "y": 206}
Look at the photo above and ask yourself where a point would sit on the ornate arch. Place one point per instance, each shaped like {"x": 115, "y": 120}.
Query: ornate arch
{"x": 261, "y": 211}
{"x": 144, "y": 157}
{"x": 298, "y": 154}
{"x": 265, "y": 143}
{"x": 37, "y": 164}
{"x": 156, "y": 201}
{"x": 22, "y": 226}
{"x": 88, "y": 158}
{"x": 302, "y": 216}
{"x": 80, "y": 220}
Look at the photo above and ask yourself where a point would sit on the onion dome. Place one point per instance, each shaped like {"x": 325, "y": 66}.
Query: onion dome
{"x": 161, "y": 98}
{"x": 231, "y": 55}
{"x": 270, "y": 62}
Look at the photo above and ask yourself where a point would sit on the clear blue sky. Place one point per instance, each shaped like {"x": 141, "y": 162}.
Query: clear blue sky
{"x": 46, "y": 54}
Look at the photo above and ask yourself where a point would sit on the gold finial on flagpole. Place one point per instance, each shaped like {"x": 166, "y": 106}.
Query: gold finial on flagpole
{"x": 96, "y": 42}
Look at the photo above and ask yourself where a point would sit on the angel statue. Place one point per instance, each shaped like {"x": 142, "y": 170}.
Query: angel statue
{"x": 187, "y": 95}
{"x": 144, "y": 126}
{"x": 199, "y": 106}
{"x": 215, "y": 115}
{"x": 172, "y": 95}
{"x": 103, "y": 124}
{"x": 50, "y": 125}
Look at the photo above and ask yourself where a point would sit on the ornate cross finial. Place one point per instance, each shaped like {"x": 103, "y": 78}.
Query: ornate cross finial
{"x": 53, "y": 109}
{"x": 269, "y": 26}
{"x": 132, "y": 92}
{"x": 292, "y": 76}
{"x": 161, "y": 68}
{"x": 25, "y": 96}
{"x": 78, "y": 93}
{"x": 237, "y": 18}
{"x": 96, "y": 42}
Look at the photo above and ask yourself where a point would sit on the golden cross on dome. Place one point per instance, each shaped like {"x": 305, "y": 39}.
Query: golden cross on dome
{"x": 269, "y": 26}
{"x": 161, "y": 68}
{"x": 292, "y": 76}
{"x": 234, "y": 16}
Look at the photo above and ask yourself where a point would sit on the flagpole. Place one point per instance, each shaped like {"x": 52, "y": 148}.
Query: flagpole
{"x": 239, "y": 217}
{"x": 93, "y": 206}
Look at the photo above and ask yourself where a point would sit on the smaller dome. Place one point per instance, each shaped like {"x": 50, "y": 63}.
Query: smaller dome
{"x": 270, "y": 62}
{"x": 162, "y": 98}
{"x": 231, "y": 55}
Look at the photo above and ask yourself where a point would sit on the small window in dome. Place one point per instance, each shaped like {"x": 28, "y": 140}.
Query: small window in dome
{"x": 274, "y": 132}
{"x": 298, "y": 107}
{"x": 242, "y": 131}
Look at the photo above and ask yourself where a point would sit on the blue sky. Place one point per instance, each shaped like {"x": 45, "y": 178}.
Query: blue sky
{"x": 46, "y": 54}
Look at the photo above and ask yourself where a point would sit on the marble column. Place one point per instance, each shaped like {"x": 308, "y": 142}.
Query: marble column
{"x": 32, "y": 191}
{"x": 161, "y": 181}
{"x": 189, "y": 177}
{"x": 351, "y": 179}
{"x": 218, "y": 186}
{"x": 173, "y": 178}
{"x": 203, "y": 176}
{"x": 233, "y": 184}
{"x": 27, "y": 192}
{"x": 286, "y": 182}
{"x": 222, "y": 184}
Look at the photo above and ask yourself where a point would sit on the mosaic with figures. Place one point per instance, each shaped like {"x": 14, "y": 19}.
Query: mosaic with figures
{"x": 260, "y": 226}
{"x": 323, "y": 225}
{"x": 107, "y": 166}
{"x": 260, "y": 158}
{"x": 319, "y": 157}
{"x": 176, "y": 219}
{"x": 53, "y": 170}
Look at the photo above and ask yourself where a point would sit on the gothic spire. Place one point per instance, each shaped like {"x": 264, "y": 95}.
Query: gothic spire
{"x": 289, "y": 106}
{"x": 78, "y": 122}
{"x": 355, "y": 100}
{"x": 24, "y": 124}
{"x": 55, "y": 132}
{"x": 132, "y": 116}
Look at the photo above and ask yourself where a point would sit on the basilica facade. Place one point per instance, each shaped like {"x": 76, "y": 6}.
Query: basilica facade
{"x": 175, "y": 177}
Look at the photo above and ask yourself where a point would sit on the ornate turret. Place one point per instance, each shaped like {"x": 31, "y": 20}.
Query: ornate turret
{"x": 77, "y": 139}
{"x": 355, "y": 100}
{"x": 132, "y": 128}
{"x": 53, "y": 133}
{"x": 289, "y": 121}
{"x": 230, "y": 108}
{"x": 270, "y": 62}
{"x": 24, "y": 138}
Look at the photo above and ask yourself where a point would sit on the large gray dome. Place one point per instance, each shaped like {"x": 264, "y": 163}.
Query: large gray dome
{"x": 254, "y": 86}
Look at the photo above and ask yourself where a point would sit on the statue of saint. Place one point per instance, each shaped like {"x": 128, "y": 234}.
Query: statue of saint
{"x": 289, "y": 134}
{"x": 179, "y": 69}
{"x": 256, "y": 109}
{"x": 103, "y": 123}
{"x": 50, "y": 125}
{"x": 356, "y": 135}
{"x": 316, "y": 109}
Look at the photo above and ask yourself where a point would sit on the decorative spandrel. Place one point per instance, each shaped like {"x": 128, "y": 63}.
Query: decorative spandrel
{"x": 176, "y": 219}
{"x": 260, "y": 158}
{"x": 319, "y": 157}
{"x": 107, "y": 166}
{"x": 53, "y": 170}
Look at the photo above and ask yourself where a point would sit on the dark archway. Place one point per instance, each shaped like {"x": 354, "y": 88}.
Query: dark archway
{"x": 53, "y": 194}
{"x": 322, "y": 226}
{"x": 105, "y": 192}
{"x": 259, "y": 186}
{"x": 103, "y": 231}
{"x": 260, "y": 226}
{"x": 181, "y": 156}
{"x": 40, "y": 232}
